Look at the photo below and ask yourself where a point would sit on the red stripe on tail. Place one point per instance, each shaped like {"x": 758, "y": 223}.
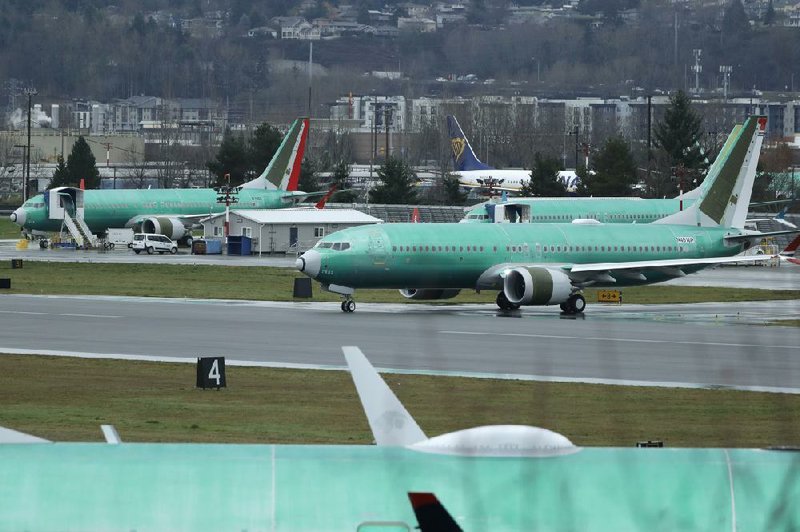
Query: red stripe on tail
{"x": 294, "y": 177}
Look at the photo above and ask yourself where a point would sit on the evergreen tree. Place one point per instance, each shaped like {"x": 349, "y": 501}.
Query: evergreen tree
{"x": 81, "y": 164}
{"x": 397, "y": 183}
{"x": 262, "y": 146}
{"x": 308, "y": 181}
{"x": 769, "y": 15}
{"x": 734, "y": 20}
{"x": 341, "y": 178}
{"x": 614, "y": 170}
{"x": 544, "y": 178}
{"x": 61, "y": 177}
{"x": 680, "y": 133}
{"x": 451, "y": 189}
{"x": 232, "y": 158}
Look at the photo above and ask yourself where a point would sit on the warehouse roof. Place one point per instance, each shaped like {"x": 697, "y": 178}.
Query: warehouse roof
{"x": 301, "y": 216}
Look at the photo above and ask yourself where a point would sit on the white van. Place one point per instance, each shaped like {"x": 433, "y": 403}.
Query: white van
{"x": 150, "y": 243}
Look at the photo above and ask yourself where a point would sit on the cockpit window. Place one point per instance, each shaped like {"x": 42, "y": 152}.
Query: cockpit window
{"x": 324, "y": 244}
{"x": 336, "y": 246}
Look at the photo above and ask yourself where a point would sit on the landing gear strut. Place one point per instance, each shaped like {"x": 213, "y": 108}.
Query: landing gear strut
{"x": 503, "y": 302}
{"x": 574, "y": 305}
{"x": 348, "y": 305}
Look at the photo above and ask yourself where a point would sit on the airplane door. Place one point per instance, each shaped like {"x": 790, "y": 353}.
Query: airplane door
{"x": 377, "y": 248}
{"x": 293, "y": 237}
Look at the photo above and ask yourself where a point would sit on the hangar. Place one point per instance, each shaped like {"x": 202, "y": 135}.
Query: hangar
{"x": 285, "y": 230}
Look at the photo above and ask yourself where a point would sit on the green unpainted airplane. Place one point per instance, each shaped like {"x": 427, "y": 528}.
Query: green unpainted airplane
{"x": 606, "y": 210}
{"x": 498, "y": 478}
{"x": 547, "y": 264}
{"x": 170, "y": 212}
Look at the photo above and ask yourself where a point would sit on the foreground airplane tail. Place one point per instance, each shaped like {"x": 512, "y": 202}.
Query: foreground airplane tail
{"x": 725, "y": 200}
{"x": 390, "y": 422}
{"x": 464, "y": 158}
{"x": 283, "y": 171}
{"x": 431, "y": 515}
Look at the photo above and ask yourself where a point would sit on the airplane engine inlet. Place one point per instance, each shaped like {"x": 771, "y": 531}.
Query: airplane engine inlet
{"x": 429, "y": 293}
{"x": 536, "y": 286}
{"x": 171, "y": 227}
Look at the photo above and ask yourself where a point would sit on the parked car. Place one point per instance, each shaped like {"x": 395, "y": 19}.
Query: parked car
{"x": 151, "y": 243}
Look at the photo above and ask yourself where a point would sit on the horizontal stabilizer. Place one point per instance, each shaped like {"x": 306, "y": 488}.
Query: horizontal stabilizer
{"x": 13, "y": 436}
{"x": 390, "y": 422}
{"x": 757, "y": 236}
{"x": 432, "y": 516}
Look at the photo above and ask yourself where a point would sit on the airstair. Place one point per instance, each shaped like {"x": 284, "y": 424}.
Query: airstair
{"x": 79, "y": 230}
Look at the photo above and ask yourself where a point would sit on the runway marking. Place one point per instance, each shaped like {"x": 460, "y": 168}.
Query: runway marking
{"x": 431, "y": 372}
{"x": 23, "y": 312}
{"x": 609, "y": 339}
{"x": 90, "y": 316}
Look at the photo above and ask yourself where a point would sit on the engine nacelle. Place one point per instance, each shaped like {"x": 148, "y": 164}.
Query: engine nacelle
{"x": 536, "y": 286}
{"x": 429, "y": 293}
{"x": 170, "y": 227}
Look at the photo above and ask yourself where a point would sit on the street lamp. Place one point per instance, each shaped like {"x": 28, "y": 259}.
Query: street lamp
{"x": 31, "y": 92}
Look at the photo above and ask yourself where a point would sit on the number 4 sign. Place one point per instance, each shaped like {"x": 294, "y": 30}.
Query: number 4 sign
{"x": 211, "y": 372}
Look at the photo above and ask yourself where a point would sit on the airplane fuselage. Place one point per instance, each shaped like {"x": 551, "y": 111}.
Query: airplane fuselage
{"x": 455, "y": 255}
{"x": 121, "y": 208}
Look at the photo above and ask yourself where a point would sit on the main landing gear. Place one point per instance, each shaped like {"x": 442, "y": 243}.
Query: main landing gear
{"x": 503, "y": 302}
{"x": 574, "y": 305}
{"x": 348, "y": 305}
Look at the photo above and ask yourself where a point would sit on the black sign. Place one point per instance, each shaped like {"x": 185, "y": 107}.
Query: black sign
{"x": 211, "y": 372}
{"x": 16, "y": 264}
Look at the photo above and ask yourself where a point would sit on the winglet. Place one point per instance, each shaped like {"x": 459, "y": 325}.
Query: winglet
{"x": 390, "y": 422}
{"x": 792, "y": 247}
{"x": 431, "y": 514}
{"x": 464, "y": 158}
{"x": 283, "y": 170}
{"x": 324, "y": 200}
{"x": 726, "y": 200}
{"x": 110, "y": 434}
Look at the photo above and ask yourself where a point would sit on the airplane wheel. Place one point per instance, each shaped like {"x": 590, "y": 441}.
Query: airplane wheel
{"x": 111, "y": 245}
{"x": 503, "y": 302}
{"x": 564, "y": 307}
{"x": 350, "y": 306}
{"x": 342, "y": 306}
{"x": 578, "y": 304}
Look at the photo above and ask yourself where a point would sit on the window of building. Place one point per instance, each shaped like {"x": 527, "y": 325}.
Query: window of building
{"x": 319, "y": 232}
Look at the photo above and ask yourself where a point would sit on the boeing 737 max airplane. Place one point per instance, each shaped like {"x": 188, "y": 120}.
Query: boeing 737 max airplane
{"x": 546, "y": 264}
{"x": 170, "y": 212}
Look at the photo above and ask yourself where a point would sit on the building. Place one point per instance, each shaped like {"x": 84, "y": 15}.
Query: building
{"x": 285, "y": 230}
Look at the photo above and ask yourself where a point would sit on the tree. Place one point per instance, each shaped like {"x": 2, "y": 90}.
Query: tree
{"x": 397, "y": 183}
{"x": 679, "y": 136}
{"x": 80, "y": 164}
{"x": 61, "y": 177}
{"x": 231, "y": 159}
{"x": 308, "y": 181}
{"x": 451, "y": 188}
{"x": 614, "y": 170}
{"x": 262, "y": 146}
{"x": 769, "y": 15}
{"x": 341, "y": 178}
{"x": 544, "y": 178}
{"x": 735, "y": 21}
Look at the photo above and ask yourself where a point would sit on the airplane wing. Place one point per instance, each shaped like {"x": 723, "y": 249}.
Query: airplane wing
{"x": 608, "y": 272}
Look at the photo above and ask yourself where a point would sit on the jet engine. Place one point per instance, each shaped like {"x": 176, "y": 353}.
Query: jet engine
{"x": 536, "y": 286}
{"x": 170, "y": 227}
{"x": 430, "y": 293}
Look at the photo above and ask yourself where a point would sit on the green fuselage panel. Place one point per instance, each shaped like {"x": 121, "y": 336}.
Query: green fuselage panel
{"x": 315, "y": 487}
{"x": 455, "y": 255}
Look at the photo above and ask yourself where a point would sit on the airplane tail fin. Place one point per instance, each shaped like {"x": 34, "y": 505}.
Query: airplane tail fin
{"x": 463, "y": 157}
{"x": 283, "y": 171}
{"x": 726, "y": 199}
{"x": 792, "y": 247}
{"x": 714, "y": 168}
{"x": 432, "y": 516}
{"x": 390, "y": 422}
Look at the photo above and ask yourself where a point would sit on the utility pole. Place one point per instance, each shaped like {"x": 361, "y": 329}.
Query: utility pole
{"x": 227, "y": 195}
{"x": 387, "y": 113}
{"x": 31, "y": 92}
{"x": 697, "y": 68}
{"x": 725, "y": 70}
{"x": 576, "y": 148}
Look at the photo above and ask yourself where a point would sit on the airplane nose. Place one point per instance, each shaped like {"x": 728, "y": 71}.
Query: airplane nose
{"x": 18, "y": 217}
{"x": 309, "y": 263}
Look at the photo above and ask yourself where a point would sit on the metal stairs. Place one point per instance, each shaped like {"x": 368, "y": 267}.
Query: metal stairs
{"x": 80, "y": 231}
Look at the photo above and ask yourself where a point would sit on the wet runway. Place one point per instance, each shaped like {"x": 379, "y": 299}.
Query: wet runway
{"x": 705, "y": 345}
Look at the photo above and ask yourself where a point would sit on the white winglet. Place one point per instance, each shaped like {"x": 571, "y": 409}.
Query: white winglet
{"x": 110, "y": 434}
{"x": 390, "y": 422}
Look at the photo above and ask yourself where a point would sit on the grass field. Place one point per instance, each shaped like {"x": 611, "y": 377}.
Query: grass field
{"x": 275, "y": 284}
{"x": 69, "y": 398}
{"x": 8, "y": 229}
